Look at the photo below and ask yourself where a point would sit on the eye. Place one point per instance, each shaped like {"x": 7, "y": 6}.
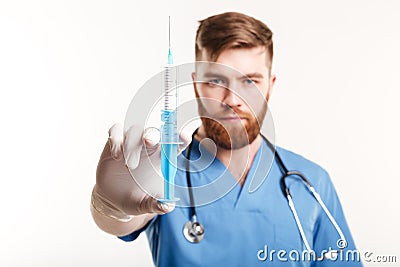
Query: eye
{"x": 216, "y": 82}
{"x": 249, "y": 82}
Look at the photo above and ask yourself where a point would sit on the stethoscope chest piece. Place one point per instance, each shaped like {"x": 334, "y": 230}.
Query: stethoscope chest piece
{"x": 193, "y": 231}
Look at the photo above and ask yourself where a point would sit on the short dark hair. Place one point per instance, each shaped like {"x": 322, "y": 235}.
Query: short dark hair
{"x": 231, "y": 30}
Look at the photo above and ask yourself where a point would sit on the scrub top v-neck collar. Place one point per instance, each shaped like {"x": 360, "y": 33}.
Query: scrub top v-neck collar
{"x": 237, "y": 194}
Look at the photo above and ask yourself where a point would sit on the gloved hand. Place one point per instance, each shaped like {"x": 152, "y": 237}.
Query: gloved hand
{"x": 128, "y": 178}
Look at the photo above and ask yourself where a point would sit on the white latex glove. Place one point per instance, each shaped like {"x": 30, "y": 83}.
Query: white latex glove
{"x": 121, "y": 192}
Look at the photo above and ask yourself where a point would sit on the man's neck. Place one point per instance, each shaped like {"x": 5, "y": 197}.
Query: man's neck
{"x": 237, "y": 161}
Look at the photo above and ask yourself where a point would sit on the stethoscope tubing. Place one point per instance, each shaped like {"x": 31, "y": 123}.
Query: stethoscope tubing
{"x": 193, "y": 238}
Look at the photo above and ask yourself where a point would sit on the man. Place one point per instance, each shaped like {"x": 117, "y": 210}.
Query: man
{"x": 242, "y": 227}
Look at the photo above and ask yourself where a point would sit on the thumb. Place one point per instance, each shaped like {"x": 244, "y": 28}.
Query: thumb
{"x": 150, "y": 204}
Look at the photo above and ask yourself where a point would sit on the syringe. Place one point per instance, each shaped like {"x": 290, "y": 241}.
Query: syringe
{"x": 169, "y": 135}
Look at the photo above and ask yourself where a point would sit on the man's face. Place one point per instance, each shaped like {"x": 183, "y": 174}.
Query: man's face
{"x": 232, "y": 95}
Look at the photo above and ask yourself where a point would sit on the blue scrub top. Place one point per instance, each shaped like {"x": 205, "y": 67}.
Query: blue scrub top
{"x": 247, "y": 227}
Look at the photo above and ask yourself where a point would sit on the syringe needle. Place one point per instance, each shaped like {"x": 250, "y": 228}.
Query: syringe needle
{"x": 170, "y": 59}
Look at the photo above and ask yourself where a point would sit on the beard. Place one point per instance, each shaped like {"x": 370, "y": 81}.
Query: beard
{"x": 232, "y": 135}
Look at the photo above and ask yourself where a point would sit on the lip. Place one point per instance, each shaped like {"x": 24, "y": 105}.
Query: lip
{"x": 232, "y": 119}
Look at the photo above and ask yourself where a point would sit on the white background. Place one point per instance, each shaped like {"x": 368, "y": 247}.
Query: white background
{"x": 68, "y": 70}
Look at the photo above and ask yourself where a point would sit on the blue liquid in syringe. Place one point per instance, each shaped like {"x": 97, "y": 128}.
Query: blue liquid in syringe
{"x": 169, "y": 148}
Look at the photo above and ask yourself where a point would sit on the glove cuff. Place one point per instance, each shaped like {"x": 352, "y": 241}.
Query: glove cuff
{"x": 106, "y": 208}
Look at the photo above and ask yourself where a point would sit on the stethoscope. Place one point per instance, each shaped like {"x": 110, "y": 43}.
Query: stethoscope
{"x": 193, "y": 230}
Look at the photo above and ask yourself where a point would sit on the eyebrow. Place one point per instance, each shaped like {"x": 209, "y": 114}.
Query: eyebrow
{"x": 218, "y": 75}
{"x": 213, "y": 75}
{"x": 254, "y": 75}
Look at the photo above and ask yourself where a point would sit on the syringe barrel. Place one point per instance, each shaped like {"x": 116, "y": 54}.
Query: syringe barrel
{"x": 170, "y": 102}
{"x": 170, "y": 87}
{"x": 169, "y": 134}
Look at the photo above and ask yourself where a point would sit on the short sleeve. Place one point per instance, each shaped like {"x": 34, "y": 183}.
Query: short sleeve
{"x": 326, "y": 237}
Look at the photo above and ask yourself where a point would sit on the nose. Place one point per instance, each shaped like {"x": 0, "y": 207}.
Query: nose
{"x": 231, "y": 98}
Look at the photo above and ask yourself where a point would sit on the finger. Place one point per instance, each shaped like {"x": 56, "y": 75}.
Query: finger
{"x": 115, "y": 140}
{"x": 132, "y": 146}
{"x": 151, "y": 137}
{"x": 186, "y": 139}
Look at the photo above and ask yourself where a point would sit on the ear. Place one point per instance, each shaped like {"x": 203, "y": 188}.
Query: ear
{"x": 271, "y": 84}
{"x": 195, "y": 84}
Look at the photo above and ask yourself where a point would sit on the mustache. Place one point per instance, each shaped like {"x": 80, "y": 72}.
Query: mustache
{"x": 231, "y": 113}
